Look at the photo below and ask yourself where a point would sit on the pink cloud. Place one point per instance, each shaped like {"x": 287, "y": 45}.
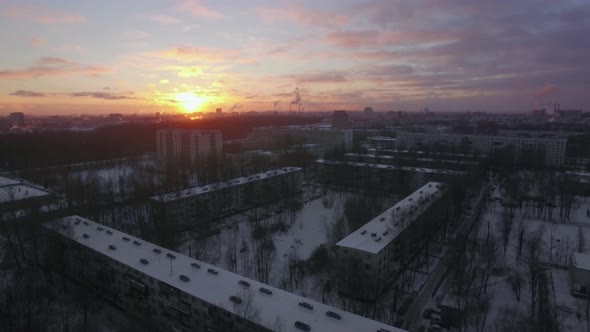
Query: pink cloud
{"x": 189, "y": 53}
{"x": 52, "y": 66}
{"x": 303, "y": 16}
{"x": 38, "y": 42}
{"x": 42, "y": 15}
{"x": 164, "y": 19}
{"x": 197, "y": 8}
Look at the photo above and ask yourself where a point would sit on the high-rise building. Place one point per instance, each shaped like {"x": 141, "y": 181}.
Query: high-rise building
{"x": 188, "y": 145}
{"x": 340, "y": 120}
{"x": 17, "y": 119}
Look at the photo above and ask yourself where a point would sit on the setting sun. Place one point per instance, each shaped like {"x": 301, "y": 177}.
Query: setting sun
{"x": 189, "y": 101}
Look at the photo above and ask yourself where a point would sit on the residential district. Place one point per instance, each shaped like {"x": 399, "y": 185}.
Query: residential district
{"x": 343, "y": 221}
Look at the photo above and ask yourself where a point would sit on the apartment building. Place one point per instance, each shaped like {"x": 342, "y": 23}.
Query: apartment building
{"x": 16, "y": 194}
{"x": 326, "y": 138}
{"x": 167, "y": 291}
{"x": 382, "y": 177}
{"x": 550, "y": 151}
{"x": 188, "y": 145}
{"x": 192, "y": 205}
{"x": 389, "y": 241}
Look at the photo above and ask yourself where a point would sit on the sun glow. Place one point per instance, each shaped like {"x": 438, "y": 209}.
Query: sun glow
{"x": 189, "y": 101}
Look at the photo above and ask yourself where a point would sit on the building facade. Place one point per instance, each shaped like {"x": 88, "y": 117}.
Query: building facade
{"x": 194, "y": 205}
{"x": 281, "y": 137}
{"x": 167, "y": 291}
{"x": 388, "y": 242}
{"x": 579, "y": 274}
{"x": 188, "y": 145}
{"x": 548, "y": 152}
{"x": 382, "y": 177}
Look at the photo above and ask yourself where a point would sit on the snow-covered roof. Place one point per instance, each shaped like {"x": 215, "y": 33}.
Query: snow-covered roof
{"x": 213, "y": 288}
{"x": 379, "y": 232}
{"x": 581, "y": 261}
{"x": 14, "y": 190}
{"x": 226, "y": 184}
{"x": 7, "y": 181}
{"x": 393, "y": 167}
{"x": 384, "y": 157}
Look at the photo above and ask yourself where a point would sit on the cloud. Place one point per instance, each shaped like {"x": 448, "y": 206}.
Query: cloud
{"x": 137, "y": 34}
{"x": 53, "y": 66}
{"x": 91, "y": 94}
{"x": 189, "y": 53}
{"x": 322, "y": 77}
{"x": 164, "y": 19}
{"x": 302, "y": 16}
{"x": 38, "y": 42}
{"x": 27, "y": 93}
{"x": 164, "y": 81}
{"x": 42, "y": 15}
{"x": 102, "y": 95}
{"x": 188, "y": 28}
{"x": 198, "y": 9}
{"x": 543, "y": 95}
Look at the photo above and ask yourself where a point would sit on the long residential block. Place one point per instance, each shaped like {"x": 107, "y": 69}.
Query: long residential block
{"x": 218, "y": 199}
{"x": 168, "y": 291}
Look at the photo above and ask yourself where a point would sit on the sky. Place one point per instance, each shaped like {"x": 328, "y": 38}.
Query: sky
{"x": 140, "y": 56}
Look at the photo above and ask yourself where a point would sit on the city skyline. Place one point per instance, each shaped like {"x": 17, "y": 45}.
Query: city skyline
{"x": 197, "y": 55}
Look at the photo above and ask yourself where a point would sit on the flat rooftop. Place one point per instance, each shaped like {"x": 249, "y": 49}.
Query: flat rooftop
{"x": 14, "y": 190}
{"x": 212, "y": 288}
{"x": 385, "y": 157}
{"x": 392, "y": 167}
{"x": 225, "y": 184}
{"x": 581, "y": 261}
{"x": 379, "y": 232}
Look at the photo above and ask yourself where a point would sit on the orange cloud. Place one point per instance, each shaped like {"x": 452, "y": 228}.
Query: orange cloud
{"x": 52, "y": 66}
{"x": 42, "y": 15}
{"x": 199, "y": 54}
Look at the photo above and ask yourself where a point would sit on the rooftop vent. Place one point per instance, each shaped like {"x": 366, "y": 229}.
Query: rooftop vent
{"x": 244, "y": 283}
{"x": 397, "y": 208}
{"x": 235, "y": 299}
{"x": 86, "y": 236}
{"x": 184, "y": 278}
{"x": 333, "y": 315}
{"x": 157, "y": 251}
{"x": 76, "y": 223}
{"x": 99, "y": 228}
{"x": 265, "y": 291}
{"x": 410, "y": 199}
{"x": 378, "y": 239}
{"x": 382, "y": 219}
{"x": 213, "y": 271}
{"x": 86, "y": 223}
{"x": 306, "y": 305}
{"x": 302, "y": 326}
{"x": 364, "y": 231}
{"x": 386, "y": 232}
{"x": 171, "y": 256}
{"x": 373, "y": 234}
{"x": 197, "y": 265}
{"x": 137, "y": 243}
{"x": 112, "y": 247}
{"x": 109, "y": 232}
{"x": 144, "y": 261}
{"x": 125, "y": 238}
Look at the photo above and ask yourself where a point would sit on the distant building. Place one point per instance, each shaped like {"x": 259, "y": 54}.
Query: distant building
{"x": 547, "y": 151}
{"x": 199, "y": 204}
{"x": 388, "y": 243}
{"x": 168, "y": 291}
{"x": 189, "y": 145}
{"x": 341, "y": 120}
{"x": 539, "y": 113}
{"x": 579, "y": 273}
{"x": 116, "y": 116}
{"x": 381, "y": 177}
{"x": 17, "y": 119}
{"x": 282, "y": 137}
